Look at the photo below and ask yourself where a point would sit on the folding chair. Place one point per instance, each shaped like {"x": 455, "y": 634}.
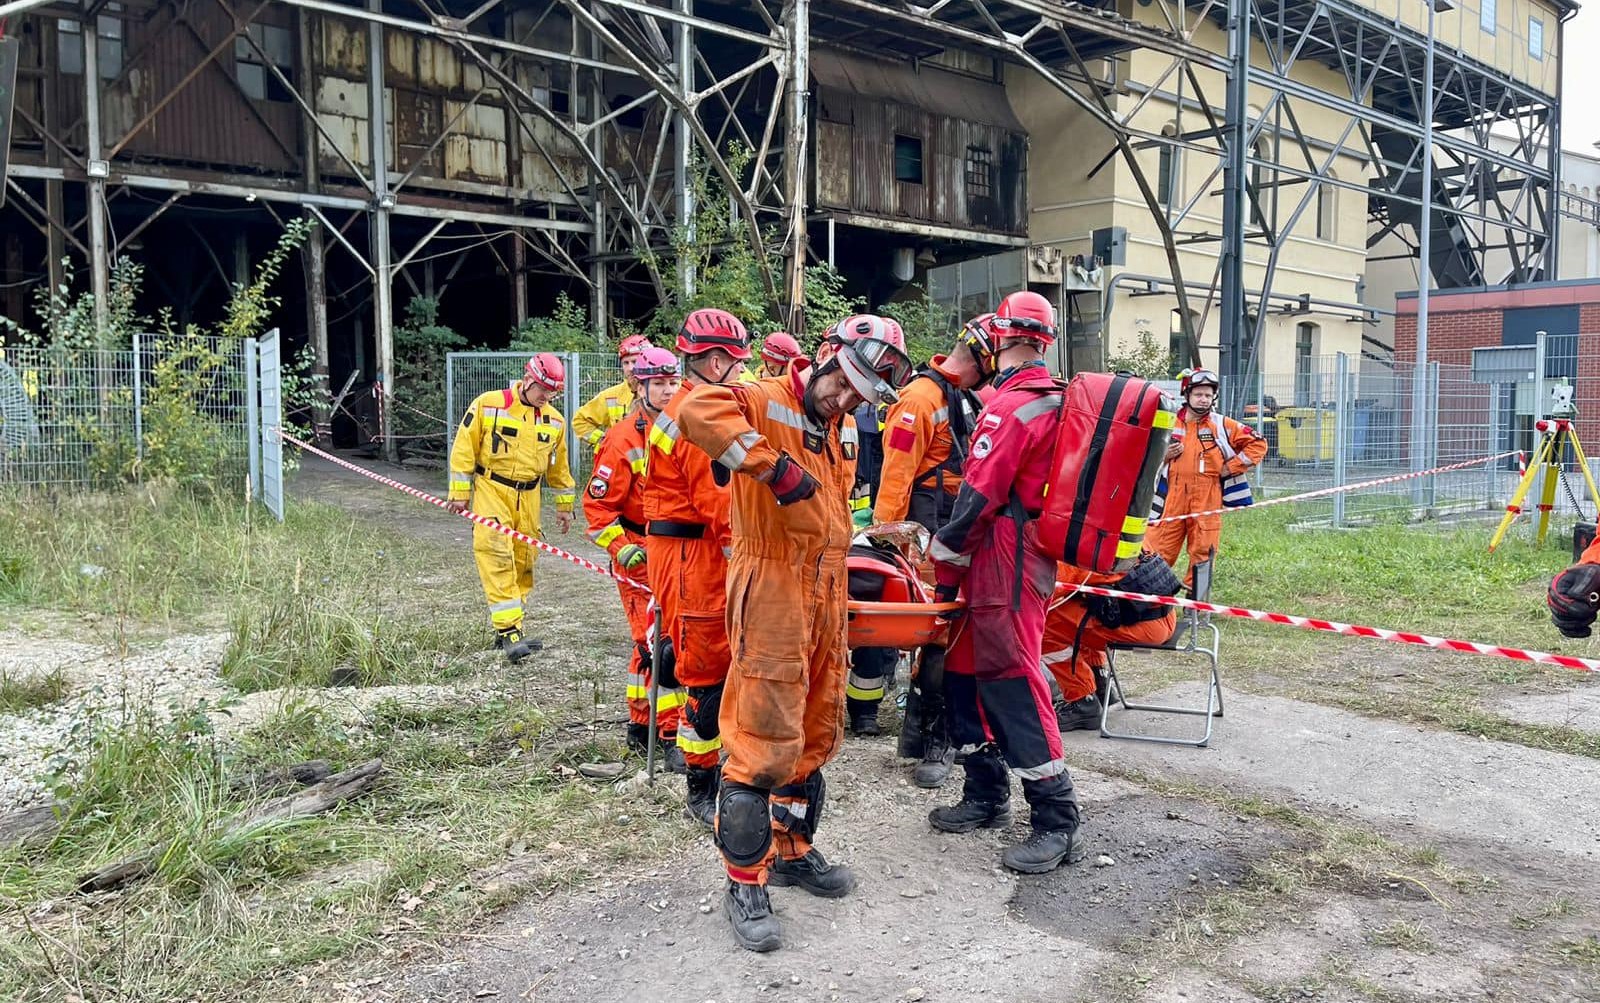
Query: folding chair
{"x": 1195, "y": 635}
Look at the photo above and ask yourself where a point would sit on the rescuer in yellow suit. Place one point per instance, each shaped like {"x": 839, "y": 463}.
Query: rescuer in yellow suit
{"x": 512, "y": 442}
{"x": 607, "y": 407}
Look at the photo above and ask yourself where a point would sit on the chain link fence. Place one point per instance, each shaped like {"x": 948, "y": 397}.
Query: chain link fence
{"x": 468, "y": 374}
{"x": 1334, "y": 423}
{"x": 174, "y": 406}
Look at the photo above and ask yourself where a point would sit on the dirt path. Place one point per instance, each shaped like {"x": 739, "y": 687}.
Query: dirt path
{"x": 1196, "y": 901}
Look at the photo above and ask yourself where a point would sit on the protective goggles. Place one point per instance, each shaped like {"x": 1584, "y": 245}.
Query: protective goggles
{"x": 876, "y": 368}
{"x": 1028, "y": 324}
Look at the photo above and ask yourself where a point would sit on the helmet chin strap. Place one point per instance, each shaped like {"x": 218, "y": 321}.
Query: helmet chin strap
{"x": 694, "y": 370}
{"x": 808, "y": 398}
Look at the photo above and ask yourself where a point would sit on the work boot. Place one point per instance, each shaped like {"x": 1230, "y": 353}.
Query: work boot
{"x": 865, "y": 724}
{"x": 937, "y": 758}
{"x": 1079, "y": 715}
{"x": 638, "y": 738}
{"x": 913, "y": 734}
{"x": 515, "y": 645}
{"x": 750, "y": 914}
{"x": 702, "y": 806}
{"x": 969, "y": 814}
{"x": 813, "y": 873}
{"x": 674, "y": 756}
{"x": 1045, "y": 851}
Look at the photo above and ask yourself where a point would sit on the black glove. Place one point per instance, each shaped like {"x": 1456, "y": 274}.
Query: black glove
{"x": 790, "y": 482}
{"x": 949, "y": 593}
{"x": 1574, "y": 599}
{"x": 722, "y": 475}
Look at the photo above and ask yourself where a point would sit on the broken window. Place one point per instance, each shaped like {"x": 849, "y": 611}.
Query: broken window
{"x": 908, "y": 159}
{"x": 980, "y": 172}
{"x": 273, "y": 46}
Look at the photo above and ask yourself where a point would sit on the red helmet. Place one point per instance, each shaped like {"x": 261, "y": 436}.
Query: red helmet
{"x": 633, "y": 344}
{"x": 872, "y": 356}
{"x": 656, "y": 364}
{"x": 1025, "y": 315}
{"x": 1191, "y": 378}
{"x": 547, "y": 371}
{"x": 706, "y": 329}
{"x": 780, "y": 348}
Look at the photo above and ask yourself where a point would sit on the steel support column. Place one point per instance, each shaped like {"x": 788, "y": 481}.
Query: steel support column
{"x": 1234, "y": 195}
{"x": 796, "y": 156}
{"x": 378, "y": 229}
{"x": 99, "y": 253}
{"x": 683, "y": 144}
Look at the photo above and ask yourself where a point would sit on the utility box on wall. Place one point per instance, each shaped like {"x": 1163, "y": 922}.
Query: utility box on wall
{"x": 1111, "y": 245}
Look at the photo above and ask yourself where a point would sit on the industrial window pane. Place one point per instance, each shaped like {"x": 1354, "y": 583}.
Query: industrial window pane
{"x": 110, "y": 55}
{"x": 69, "y": 47}
{"x": 1305, "y": 347}
{"x": 908, "y": 159}
{"x": 1536, "y": 38}
{"x": 1167, "y": 176}
{"x": 980, "y": 173}
{"x": 253, "y": 80}
{"x": 1327, "y": 202}
{"x": 276, "y": 41}
{"x": 1486, "y": 16}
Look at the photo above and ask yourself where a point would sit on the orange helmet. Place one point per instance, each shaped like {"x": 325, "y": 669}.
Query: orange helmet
{"x": 706, "y": 329}
{"x": 1025, "y": 315}
{"x": 780, "y": 348}
{"x": 546, "y": 370}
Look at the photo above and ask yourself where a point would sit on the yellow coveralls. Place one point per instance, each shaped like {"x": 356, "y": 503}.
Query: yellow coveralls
{"x": 503, "y": 453}
{"x": 603, "y": 410}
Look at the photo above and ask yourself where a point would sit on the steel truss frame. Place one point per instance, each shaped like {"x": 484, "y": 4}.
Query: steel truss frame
{"x": 710, "y": 73}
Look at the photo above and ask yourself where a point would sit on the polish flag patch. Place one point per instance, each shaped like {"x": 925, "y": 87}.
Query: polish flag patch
{"x": 991, "y": 421}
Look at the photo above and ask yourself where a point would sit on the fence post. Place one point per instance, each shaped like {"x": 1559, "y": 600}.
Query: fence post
{"x": 1341, "y": 431}
{"x": 1432, "y": 457}
{"x": 252, "y": 370}
{"x": 450, "y": 418}
{"x": 574, "y": 388}
{"x": 1261, "y": 430}
{"x": 138, "y": 397}
{"x": 1491, "y": 469}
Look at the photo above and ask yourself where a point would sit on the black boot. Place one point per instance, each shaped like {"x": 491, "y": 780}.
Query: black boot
{"x": 1079, "y": 715}
{"x": 864, "y": 723}
{"x": 702, "y": 806}
{"x": 674, "y": 756}
{"x": 750, "y": 914}
{"x": 912, "y": 730}
{"x": 515, "y": 645}
{"x": 967, "y": 815}
{"x": 638, "y": 738}
{"x": 937, "y": 758}
{"x": 813, "y": 873}
{"x": 1045, "y": 851}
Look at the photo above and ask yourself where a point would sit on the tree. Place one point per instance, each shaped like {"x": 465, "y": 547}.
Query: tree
{"x": 1148, "y": 360}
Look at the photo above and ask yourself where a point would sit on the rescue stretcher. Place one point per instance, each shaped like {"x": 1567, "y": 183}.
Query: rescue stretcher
{"x": 891, "y": 595}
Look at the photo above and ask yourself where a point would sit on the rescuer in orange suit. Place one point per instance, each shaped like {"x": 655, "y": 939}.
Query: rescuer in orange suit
{"x": 1197, "y": 462}
{"x": 792, "y": 442}
{"x": 686, "y": 540}
{"x": 613, "y": 507}
{"x": 1574, "y": 597}
{"x": 1079, "y": 628}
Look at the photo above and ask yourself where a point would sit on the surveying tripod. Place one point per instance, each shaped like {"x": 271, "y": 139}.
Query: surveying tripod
{"x": 1556, "y": 433}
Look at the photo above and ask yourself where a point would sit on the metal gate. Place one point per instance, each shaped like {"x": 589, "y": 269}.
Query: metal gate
{"x": 265, "y": 369}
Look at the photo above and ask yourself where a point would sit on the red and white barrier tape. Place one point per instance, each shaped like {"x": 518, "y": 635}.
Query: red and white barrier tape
{"x": 1322, "y": 492}
{"x": 468, "y": 515}
{"x": 1356, "y": 630}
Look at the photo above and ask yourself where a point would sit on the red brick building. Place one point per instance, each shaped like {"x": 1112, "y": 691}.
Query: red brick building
{"x": 1460, "y": 320}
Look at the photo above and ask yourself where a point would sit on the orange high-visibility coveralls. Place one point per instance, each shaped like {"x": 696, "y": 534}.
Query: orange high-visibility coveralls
{"x": 917, "y": 440}
{"x": 613, "y": 507}
{"x": 1194, "y": 484}
{"x": 783, "y": 710}
{"x": 1073, "y": 658}
{"x": 601, "y": 412}
{"x": 686, "y": 525}
{"x": 503, "y": 452}
{"x": 1591, "y": 553}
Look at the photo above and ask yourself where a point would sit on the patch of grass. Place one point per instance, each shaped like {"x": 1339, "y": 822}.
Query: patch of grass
{"x": 475, "y": 808}
{"x": 1557, "y": 908}
{"x": 1402, "y": 935}
{"x": 25, "y": 693}
{"x": 1585, "y": 952}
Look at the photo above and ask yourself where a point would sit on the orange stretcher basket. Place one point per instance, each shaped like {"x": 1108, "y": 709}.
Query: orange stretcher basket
{"x": 890, "y": 606}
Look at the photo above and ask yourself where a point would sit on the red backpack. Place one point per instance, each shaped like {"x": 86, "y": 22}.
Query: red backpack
{"x": 1110, "y": 442}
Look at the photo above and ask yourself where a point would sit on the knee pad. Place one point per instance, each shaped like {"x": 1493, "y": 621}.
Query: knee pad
{"x": 813, "y": 790}
{"x": 705, "y": 708}
{"x": 744, "y": 824}
{"x": 669, "y": 661}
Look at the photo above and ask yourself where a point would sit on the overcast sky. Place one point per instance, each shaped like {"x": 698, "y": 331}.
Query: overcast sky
{"x": 1580, "y": 82}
